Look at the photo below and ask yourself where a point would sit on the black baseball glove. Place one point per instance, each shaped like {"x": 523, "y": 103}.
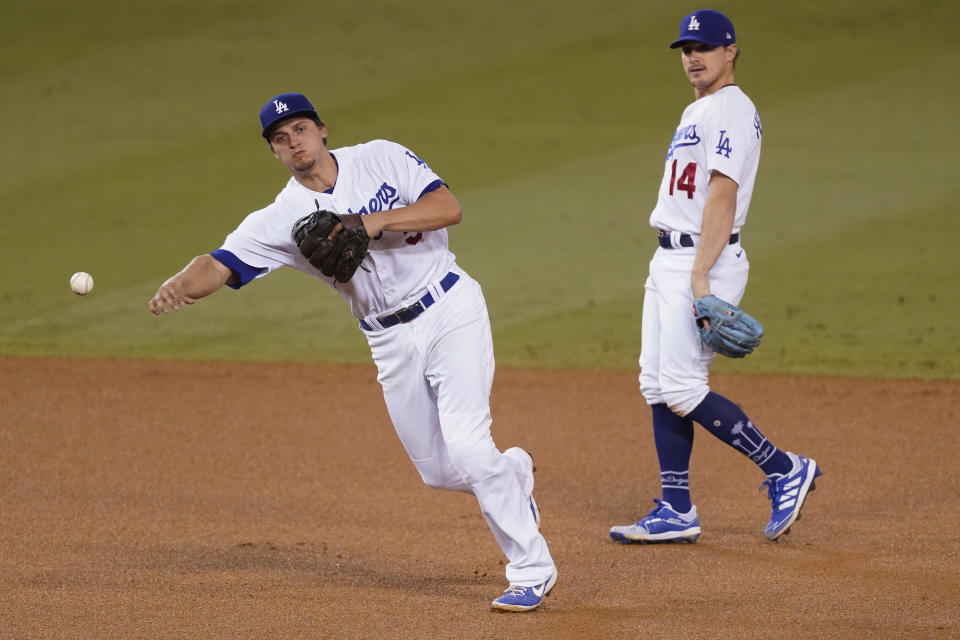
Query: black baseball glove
{"x": 340, "y": 256}
{"x": 726, "y": 328}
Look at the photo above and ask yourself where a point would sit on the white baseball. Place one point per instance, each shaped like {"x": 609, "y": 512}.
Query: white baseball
{"x": 81, "y": 283}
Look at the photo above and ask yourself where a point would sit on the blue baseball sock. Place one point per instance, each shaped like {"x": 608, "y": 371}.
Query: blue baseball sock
{"x": 730, "y": 424}
{"x": 673, "y": 437}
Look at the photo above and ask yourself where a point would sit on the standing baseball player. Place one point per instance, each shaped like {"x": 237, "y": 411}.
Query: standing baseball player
{"x": 370, "y": 220}
{"x": 697, "y": 276}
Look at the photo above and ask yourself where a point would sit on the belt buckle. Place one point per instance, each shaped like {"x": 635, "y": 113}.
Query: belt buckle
{"x": 410, "y": 313}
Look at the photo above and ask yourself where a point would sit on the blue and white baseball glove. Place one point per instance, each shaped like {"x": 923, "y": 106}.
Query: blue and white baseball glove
{"x": 726, "y": 328}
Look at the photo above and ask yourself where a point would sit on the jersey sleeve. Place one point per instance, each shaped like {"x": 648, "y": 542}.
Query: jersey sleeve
{"x": 258, "y": 246}
{"x": 730, "y": 138}
{"x": 244, "y": 271}
{"x": 415, "y": 176}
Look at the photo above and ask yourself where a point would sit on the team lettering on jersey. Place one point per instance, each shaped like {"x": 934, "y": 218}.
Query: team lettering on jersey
{"x": 384, "y": 198}
{"x": 723, "y": 145}
{"x": 418, "y": 160}
{"x": 756, "y": 124}
{"x": 683, "y": 137}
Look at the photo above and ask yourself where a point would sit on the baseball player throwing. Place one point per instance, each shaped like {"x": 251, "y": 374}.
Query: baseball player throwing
{"x": 424, "y": 318}
{"x": 697, "y": 276}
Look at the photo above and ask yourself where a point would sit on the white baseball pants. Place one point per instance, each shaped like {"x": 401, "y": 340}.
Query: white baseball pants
{"x": 437, "y": 373}
{"x": 674, "y": 366}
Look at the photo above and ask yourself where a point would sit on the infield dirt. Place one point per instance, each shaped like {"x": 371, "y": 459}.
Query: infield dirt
{"x": 148, "y": 499}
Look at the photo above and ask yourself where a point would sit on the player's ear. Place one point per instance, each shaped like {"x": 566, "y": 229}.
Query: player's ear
{"x": 732, "y": 52}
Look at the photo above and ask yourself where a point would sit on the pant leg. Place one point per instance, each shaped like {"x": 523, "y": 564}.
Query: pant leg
{"x": 650, "y": 346}
{"x": 412, "y": 405}
{"x": 437, "y": 374}
{"x": 672, "y": 435}
{"x": 682, "y": 363}
{"x": 460, "y": 367}
{"x": 673, "y": 369}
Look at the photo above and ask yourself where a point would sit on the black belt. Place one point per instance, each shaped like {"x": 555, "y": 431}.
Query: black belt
{"x": 408, "y": 314}
{"x": 685, "y": 240}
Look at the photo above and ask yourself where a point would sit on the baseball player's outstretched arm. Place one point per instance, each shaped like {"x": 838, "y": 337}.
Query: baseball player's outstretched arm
{"x": 435, "y": 210}
{"x": 715, "y": 228}
{"x": 204, "y": 275}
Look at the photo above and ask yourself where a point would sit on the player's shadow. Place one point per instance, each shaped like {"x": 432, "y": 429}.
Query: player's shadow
{"x": 268, "y": 564}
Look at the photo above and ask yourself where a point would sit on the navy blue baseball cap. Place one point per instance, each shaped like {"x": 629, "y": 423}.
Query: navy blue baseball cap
{"x": 706, "y": 26}
{"x": 283, "y": 106}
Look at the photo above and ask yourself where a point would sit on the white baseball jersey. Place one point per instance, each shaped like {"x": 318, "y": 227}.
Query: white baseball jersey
{"x": 719, "y": 132}
{"x": 373, "y": 176}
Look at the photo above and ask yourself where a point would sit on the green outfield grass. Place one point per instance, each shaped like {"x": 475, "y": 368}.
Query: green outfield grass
{"x": 132, "y": 144}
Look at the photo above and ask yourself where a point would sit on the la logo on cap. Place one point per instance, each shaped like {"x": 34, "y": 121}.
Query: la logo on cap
{"x": 281, "y": 106}
{"x": 694, "y": 24}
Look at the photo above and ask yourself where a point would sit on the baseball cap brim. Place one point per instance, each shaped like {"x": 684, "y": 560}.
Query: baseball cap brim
{"x": 303, "y": 113}
{"x": 679, "y": 43}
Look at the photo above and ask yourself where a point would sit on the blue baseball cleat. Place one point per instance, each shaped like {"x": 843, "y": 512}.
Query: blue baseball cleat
{"x": 661, "y": 525}
{"x": 517, "y": 598}
{"x": 787, "y": 494}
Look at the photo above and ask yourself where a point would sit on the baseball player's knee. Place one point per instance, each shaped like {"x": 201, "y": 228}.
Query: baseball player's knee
{"x": 684, "y": 399}
{"x": 431, "y": 474}
{"x": 439, "y": 473}
{"x": 476, "y": 461}
{"x": 681, "y": 393}
{"x": 470, "y": 446}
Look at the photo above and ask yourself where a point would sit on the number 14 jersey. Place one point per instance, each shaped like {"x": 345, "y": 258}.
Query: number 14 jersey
{"x": 719, "y": 132}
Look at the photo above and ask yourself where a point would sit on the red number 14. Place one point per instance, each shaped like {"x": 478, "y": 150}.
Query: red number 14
{"x": 686, "y": 182}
